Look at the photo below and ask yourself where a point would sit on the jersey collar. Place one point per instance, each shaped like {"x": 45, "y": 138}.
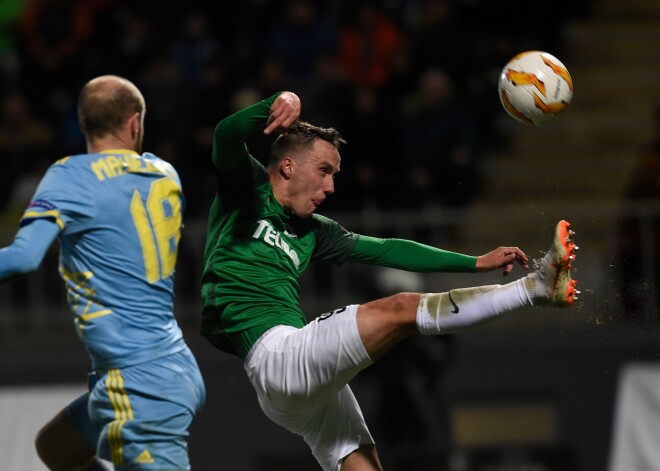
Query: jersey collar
{"x": 119, "y": 151}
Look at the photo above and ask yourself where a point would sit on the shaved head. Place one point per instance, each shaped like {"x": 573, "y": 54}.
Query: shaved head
{"x": 106, "y": 103}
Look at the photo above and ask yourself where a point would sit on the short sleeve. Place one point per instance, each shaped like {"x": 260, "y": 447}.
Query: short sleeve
{"x": 62, "y": 197}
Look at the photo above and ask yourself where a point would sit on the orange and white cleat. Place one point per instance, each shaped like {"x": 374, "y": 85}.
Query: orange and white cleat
{"x": 553, "y": 285}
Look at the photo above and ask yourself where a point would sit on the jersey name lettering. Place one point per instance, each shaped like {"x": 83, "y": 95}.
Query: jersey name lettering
{"x": 117, "y": 165}
{"x": 274, "y": 238}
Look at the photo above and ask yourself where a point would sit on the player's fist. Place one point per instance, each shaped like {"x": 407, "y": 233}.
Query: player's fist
{"x": 284, "y": 111}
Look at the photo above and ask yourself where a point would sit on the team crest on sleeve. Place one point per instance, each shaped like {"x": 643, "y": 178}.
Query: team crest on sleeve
{"x": 42, "y": 204}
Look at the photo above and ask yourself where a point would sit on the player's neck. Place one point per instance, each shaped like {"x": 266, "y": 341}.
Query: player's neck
{"x": 107, "y": 143}
{"x": 279, "y": 191}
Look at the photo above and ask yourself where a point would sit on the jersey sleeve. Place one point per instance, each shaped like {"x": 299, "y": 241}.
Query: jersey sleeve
{"x": 229, "y": 148}
{"x": 410, "y": 256}
{"x": 27, "y": 251}
{"x": 333, "y": 242}
{"x": 62, "y": 197}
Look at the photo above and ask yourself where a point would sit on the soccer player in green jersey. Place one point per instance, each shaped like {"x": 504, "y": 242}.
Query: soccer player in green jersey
{"x": 262, "y": 234}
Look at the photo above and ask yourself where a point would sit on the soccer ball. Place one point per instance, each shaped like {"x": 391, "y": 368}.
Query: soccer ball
{"x": 534, "y": 87}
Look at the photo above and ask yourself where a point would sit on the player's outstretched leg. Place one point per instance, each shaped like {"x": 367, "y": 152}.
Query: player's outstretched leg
{"x": 550, "y": 284}
{"x": 553, "y": 285}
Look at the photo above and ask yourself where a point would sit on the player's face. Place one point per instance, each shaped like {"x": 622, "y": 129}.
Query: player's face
{"x": 312, "y": 178}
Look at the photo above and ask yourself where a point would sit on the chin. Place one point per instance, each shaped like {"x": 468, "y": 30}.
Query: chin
{"x": 305, "y": 214}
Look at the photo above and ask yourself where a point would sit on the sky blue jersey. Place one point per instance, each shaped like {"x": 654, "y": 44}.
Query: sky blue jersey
{"x": 119, "y": 215}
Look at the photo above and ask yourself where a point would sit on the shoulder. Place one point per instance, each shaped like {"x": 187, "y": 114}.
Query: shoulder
{"x": 162, "y": 165}
{"x": 67, "y": 168}
{"x": 72, "y": 161}
{"x": 320, "y": 220}
{"x": 324, "y": 226}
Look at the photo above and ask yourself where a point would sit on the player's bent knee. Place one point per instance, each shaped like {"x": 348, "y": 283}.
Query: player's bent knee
{"x": 399, "y": 309}
{"x": 365, "y": 458}
{"x": 406, "y": 301}
{"x": 399, "y": 303}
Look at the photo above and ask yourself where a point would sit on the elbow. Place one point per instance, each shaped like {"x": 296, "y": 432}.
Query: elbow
{"x": 18, "y": 263}
{"x": 30, "y": 266}
{"x": 24, "y": 268}
{"x": 217, "y": 132}
{"x": 221, "y": 131}
{"x": 27, "y": 251}
{"x": 220, "y": 135}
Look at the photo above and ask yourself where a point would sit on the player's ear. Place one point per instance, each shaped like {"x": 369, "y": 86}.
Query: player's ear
{"x": 286, "y": 167}
{"x": 135, "y": 121}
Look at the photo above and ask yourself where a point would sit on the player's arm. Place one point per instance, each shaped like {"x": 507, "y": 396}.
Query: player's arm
{"x": 26, "y": 252}
{"x": 413, "y": 256}
{"x": 410, "y": 256}
{"x": 275, "y": 113}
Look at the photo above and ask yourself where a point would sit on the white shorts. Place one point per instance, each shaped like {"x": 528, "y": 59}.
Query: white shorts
{"x": 301, "y": 378}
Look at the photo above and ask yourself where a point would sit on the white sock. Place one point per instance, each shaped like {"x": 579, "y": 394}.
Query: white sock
{"x": 444, "y": 313}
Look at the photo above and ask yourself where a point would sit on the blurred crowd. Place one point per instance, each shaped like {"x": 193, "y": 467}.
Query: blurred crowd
{"x": 411, "y": 84}
{"x": 639, "y": 237}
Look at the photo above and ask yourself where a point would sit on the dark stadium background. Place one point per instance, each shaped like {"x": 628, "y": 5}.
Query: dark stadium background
{"x": 537, "y": 390}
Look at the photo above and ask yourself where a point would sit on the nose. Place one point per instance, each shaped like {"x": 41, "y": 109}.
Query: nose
{"x": 329, "y": 187}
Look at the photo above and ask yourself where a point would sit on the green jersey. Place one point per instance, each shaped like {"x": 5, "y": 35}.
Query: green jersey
{"x": 255, "y": 251}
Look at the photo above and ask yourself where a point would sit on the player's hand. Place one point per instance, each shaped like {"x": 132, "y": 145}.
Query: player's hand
{"x": 284, "y": 111}
{"x": 503, "y": 258}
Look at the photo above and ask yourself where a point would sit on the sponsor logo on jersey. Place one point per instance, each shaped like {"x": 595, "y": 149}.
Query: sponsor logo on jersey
{"x": 288, "y": 231}
{"x": 274, "y": 238}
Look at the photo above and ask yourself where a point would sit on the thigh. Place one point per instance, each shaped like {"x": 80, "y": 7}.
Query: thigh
{"x": 301, "y": 378}
{"x": 332, "y": 430}
{"x": 68, "y": 439}
{"x": 144, "y": 413}
{"x": 336, "y": 430}
{"x": 298, "y": 369}
{"x": 78, "y": 410}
